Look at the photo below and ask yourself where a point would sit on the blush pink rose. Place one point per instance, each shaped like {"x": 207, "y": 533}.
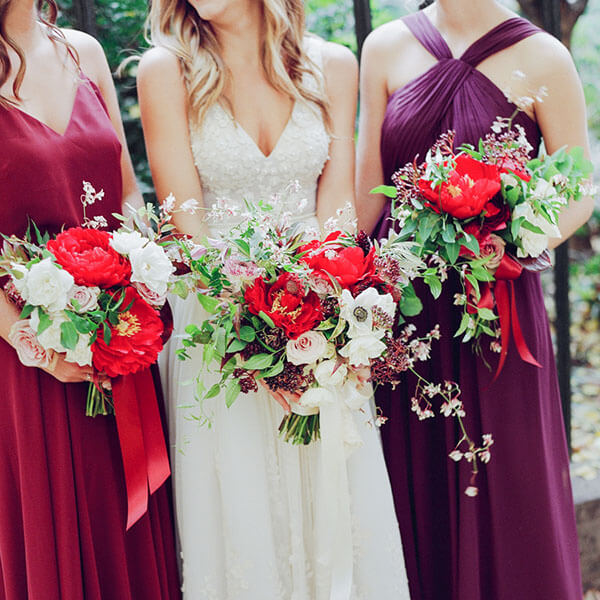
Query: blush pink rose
{"x": 30, "y": 351}
{"x": 86, "y": 297}
{"x": 492, "y": 245}
{"x": 150, "y": 296}
{"x": 307, "y": 348}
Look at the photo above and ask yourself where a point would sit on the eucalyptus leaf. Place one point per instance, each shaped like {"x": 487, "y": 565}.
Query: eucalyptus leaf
{"x": 258, "y": 362}
{"x": 387, "y": 190}
{"x": 209, "y": 303}
{"x": 247, "y": 334}
{"x": 45, "y": 321}
{"x": 68, "y": 335}
{"x": 232, "y": 392}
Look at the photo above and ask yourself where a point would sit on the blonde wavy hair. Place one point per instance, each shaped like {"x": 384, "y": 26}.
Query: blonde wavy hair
{"x": 175, "y": 25}
{"x": 47, "y": 13}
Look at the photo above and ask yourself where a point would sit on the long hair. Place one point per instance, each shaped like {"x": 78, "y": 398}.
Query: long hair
{"x": 47, "y": 13}
{"x": 175, "y": 25}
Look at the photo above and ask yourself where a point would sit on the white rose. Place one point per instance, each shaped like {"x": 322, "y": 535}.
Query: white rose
{"x": 126, "y": 241}
{"x": 543, "y": 189}
{"x": 306, "y": 348}
{"x": 151, "y": 266}
{"x": 151, "y": 297}
{"x": 48, "y": 285}
{"x": 86, "y": 298}
{"x": 31, "y": 353}
{"x": 50, "y": 337}
{"x": 315, "y": 397}
{"x": 20, "y": 283}
{"x": 360, "y": 350}
{"x": 533, "y": 243}
{"x": 330, "y": 374}
{"x": 82, "y": 353}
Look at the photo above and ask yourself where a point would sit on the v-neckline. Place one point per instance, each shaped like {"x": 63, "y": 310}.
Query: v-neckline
{"x": 48, "y": 127}
{"x": 252, "y": 140}
{"x": 443, "y": 41}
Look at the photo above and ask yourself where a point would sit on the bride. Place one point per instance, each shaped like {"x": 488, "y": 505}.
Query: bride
{"x": 238, "y": 101}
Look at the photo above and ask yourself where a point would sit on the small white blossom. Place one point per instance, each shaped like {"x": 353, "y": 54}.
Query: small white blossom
{"x": 460, "y": 299}
{"x": 90, "y": 195}
{"x": 169, "y": 204}
{"x": 456, "y": 455}
{"x": 190, "y": 206}
{"x": 471, "y": 491}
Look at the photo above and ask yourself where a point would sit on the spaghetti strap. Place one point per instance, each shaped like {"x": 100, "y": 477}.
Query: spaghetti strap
{"x": 425, "y": 32}
{"x": 499, "y": 38}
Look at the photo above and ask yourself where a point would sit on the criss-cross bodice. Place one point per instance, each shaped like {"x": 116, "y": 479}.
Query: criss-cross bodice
{"x": 452, "y": 94}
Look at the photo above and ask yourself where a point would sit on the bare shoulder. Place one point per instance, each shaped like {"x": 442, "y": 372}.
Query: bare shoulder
{"x": 91, "y": 54}
{"x": 389, "y": 39}
{"x": 339, "y": 62}
{"x": 159, "y": 61}
{"x": 545, "y": 59}
{"x": 159, "y": 67}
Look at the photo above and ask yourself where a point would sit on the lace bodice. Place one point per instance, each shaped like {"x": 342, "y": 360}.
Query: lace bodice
{"x": 234, "y": 169}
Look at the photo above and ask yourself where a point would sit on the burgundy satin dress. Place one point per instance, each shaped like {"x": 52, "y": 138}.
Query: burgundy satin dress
{"x": 62, "y": 490}
{"x": 516, "y": 540}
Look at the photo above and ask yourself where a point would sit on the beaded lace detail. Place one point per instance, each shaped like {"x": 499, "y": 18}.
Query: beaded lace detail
{"x": 234, "y": 169}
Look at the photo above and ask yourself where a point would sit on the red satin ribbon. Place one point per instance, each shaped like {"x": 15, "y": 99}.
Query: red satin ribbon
{"x": 504, "y": 293}
{"x": 143, "y": 448}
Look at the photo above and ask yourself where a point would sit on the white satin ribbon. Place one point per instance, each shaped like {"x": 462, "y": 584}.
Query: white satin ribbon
{"x": 336, "y": 401}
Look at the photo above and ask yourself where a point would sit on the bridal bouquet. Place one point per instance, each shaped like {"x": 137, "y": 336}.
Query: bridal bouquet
{"x": 94, "y": 296}
{"x": 310, "y": 317}
{"x": 487, "y": 213}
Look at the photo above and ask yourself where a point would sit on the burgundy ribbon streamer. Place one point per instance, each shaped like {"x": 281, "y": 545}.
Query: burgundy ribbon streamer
{"x": 142, "y": 441}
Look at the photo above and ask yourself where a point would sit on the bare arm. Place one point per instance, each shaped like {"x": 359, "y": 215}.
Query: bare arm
{"x": 336, "y": 184}
{"x": 373, "y": 98}
{"x": 164, "y": 108}
{"x": 561, "y": 116}
{"x": 94, "y": 65}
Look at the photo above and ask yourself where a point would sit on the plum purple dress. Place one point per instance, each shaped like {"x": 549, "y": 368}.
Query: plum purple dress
{"x": 516, "y": 540}
{"x": 63, "y": 502}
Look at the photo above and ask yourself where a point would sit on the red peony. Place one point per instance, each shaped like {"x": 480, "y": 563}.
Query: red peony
{"x": 349, "y": 265}
{"x": 469, "y": 188}
{"x": 135, "y": 341}
{"x": 89, "y": 257}
{"x": 287, "y": 303}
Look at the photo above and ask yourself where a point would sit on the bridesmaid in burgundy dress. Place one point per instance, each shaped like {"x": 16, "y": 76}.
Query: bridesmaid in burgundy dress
{"x": 62, "y": 490}
{"x": 444, "y": 68}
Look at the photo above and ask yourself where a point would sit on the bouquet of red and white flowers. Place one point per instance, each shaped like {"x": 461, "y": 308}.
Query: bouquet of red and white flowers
{"x": 487, "y": 213}
{"x": 92, "y": 295}
{"x": 313, "y": 318}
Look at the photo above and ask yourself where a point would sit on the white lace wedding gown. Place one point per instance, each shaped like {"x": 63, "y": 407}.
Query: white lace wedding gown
{"x": 245, "y": 499}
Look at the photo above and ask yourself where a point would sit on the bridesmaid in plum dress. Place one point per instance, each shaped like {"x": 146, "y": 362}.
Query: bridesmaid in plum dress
{"x": 62, "y": 490}
{"x": 445, "y": 68}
